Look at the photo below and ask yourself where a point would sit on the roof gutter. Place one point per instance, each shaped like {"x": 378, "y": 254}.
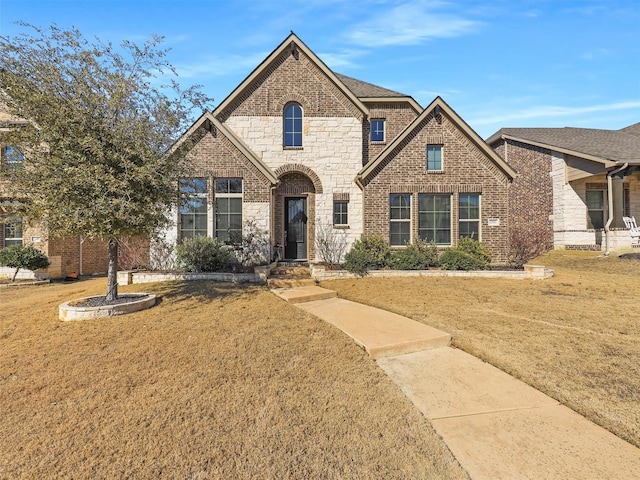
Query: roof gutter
{"x": 610, "y": 198}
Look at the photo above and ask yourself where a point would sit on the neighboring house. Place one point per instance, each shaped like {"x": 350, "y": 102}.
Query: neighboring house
{"x": 297, "y": 146}
{"x": 67, "y": 255}
{"x": 574, "y": 184}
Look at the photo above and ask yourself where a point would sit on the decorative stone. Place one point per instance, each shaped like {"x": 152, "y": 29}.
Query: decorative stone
{"x": 138, "y": 301}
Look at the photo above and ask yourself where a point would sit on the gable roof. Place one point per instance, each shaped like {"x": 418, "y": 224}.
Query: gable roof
{"x": 609, "y": 147}
{"x": 438, "y": 102}
{"x": 292, "y": 42}
{"x": 237, "y": 142}
{"x": 370, "y": 93}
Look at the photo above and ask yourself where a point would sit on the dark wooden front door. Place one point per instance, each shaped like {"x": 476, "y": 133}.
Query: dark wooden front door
{"x": 295, "y": 224}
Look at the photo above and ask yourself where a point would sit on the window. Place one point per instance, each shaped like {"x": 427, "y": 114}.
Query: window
{"x": 12, "y": 231}
{"x": 434, "y": 218}
{"x": 12, "y": 158}
{"x": 340, "y": 213}
{"x": 469, "y": 215}
{"x": 293, "y": 125}
{"x": 228, "y": 209}
{"x": 399, "y": 219}
{"x": 595, "y": 209}
{"x": 434, "y": 157}
{"x": 377, "y": 130}
{"x": 194, "y": 208}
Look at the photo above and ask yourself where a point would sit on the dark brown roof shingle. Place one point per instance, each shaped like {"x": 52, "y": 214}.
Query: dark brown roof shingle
{"x": 367, "y": 90}
{"x": 614, "y": 145}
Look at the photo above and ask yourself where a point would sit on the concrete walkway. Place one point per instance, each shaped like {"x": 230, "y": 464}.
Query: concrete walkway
{"x": 496, "y": 426}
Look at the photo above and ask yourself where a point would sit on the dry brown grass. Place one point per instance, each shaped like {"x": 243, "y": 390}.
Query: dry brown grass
{"x": 218, "y": 381}
{"x": 575, "y": 336}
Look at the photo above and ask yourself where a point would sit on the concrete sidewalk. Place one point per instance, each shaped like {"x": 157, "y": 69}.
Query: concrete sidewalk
{"x": 496, "y": 426}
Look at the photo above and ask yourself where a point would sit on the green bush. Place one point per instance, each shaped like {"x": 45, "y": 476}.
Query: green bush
{"x": 420, "y": 255}
{"x": 26, "y": 257}
{"x": 468, "y": 255}
{"x": 370, "y": 252}
{"x": 203, "y": 254}
{"x": 454, "y": 259}
{"x": 476, "y": 249}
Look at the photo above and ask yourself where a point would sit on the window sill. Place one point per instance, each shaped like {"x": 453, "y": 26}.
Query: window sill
{"x": 341, "y": 227}
{"x": 373, "y": 142}
{"x": 293, "y": 148}
{"x": 435, "y": 172}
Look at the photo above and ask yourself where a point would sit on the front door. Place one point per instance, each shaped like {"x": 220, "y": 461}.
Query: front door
{"x": 295, "y": 224}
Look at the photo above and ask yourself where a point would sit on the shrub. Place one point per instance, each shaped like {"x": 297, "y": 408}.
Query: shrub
{"x": 468, "y": 255}
{"x": 370, "y": 252}
{"x": 475, "y": 249}
{"x": 23, "y": 256}
{"x": 330, "y": 244}
{"x": 162, "y": 254}
{"x": 253, "y": 247}
{"x": 420, "y": 255}
{"x": 525, "y": 245}
{"x": 454, "y": 259}
{"x": 203, "y": 254}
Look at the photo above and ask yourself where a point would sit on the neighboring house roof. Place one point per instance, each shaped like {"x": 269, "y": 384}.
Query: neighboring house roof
{"x": 609, "y": 147}
{"x": 244, "y": 149}
{"x": 632, "y": 129}
{"x": 457, "y": 121}
{"x": 291, "y": 43}
{"x": 370, "y": 93}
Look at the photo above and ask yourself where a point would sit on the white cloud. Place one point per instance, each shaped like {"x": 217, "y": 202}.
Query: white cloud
{"x": 341, "y": 59}
{"x": 411, "y": 23}
{"x": 214, "y": 66}
{"x": 553, "y": 112}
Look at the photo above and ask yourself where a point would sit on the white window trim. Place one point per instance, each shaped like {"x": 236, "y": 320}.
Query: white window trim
{"x": 212, "y": 205}
{"x": 384, "y": 131}
{"x": 401, "y": 220}
{"x": 479, "y": 219}
{"x": 426, "y": 160}
{"x": 451, "y": 218}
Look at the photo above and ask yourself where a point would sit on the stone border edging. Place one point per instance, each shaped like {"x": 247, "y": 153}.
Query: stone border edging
{"x": 530, "y": 272}
{"x": 24, "y": 284}
{"x": 68, "y": 312}
{"x": 128, "y": 277}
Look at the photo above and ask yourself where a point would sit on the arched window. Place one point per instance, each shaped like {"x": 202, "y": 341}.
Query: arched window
{"x": 293, "y": 125}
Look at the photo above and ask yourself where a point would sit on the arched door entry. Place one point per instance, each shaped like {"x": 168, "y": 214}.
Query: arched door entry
{"x": 295, "y": 224}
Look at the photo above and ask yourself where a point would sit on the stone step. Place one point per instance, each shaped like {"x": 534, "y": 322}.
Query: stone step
{"x": 289, "y": 271}
{"x": 304, "y": 294}
{"x": 290, "y": 282}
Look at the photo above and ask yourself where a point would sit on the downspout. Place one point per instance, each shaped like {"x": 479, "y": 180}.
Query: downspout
{"x": 610, "y": 212}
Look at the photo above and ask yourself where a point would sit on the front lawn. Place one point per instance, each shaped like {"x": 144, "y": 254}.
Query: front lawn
{"x": 575, "y": 336}
{"x": 218, "y": 381}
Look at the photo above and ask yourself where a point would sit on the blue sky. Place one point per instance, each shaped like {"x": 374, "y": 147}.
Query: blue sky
{"x": 498, "y": 63}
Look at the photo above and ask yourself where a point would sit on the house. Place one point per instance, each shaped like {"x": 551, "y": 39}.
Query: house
{"x": 296, "y": 147}
{"x": 575, "y": 185}
{"x": 67, "y": 255}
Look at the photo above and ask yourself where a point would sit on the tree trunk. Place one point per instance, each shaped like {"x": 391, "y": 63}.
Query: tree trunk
{"x": 15, "y": 274}
{"x": 112, "y": 271}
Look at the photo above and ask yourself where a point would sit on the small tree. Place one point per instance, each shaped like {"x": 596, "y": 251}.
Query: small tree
{"x": 330, "y": 244}
{"x": 99, "y": 130}
{"x": 24, "y": 257}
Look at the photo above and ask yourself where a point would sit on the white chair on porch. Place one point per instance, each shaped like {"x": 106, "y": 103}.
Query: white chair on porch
{"x": 630, "y": 223}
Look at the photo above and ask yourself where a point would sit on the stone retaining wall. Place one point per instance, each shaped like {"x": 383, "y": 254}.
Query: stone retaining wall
{"x": 530, "y": 272}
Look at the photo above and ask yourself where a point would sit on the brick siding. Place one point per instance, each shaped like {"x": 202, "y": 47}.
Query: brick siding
{"x": 531, "y": 194}
{"x": 466, "y": 169}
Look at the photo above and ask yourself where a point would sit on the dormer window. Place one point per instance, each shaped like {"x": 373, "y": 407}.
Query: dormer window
{"x": 292, "y": 125}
